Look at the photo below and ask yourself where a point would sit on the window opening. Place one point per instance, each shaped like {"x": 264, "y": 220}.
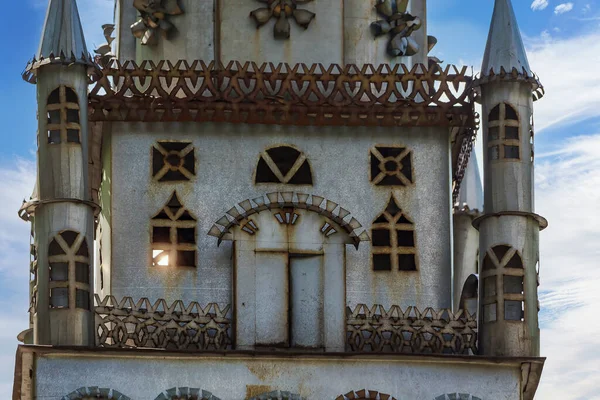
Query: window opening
{"x": 173, "y": 235}
{"x": 391, "y": 166}
{"x": 393, "y": 240}
{"x": 503, "y": 133}
{"x": 505, "y": 267}
{"x": 69, "y": 271}
{"x": 283, "y": 164}
{"x": 63, "y": 124}
{"x": 173, "y": 161}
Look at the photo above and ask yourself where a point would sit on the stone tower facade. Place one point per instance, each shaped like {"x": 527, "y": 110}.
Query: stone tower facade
{"x": 269, "y": 199}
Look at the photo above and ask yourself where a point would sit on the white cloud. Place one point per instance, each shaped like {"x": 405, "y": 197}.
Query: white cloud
{"x": 568, "y": 194}
{"x": 539, "y": 5}
{"x": 568, "y": 70}
{"x": 563, "y": 8}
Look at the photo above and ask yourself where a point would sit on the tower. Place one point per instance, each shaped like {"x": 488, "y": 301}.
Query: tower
{"x": 509, "y": 228}
{"x": 64, "y": 214}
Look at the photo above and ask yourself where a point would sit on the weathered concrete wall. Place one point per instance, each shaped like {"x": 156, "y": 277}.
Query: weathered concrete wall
{"x": 240, "y": 377}
{"x": 226, "y": 158}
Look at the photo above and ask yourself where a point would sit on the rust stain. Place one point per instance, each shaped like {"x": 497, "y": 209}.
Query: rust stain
{"x": 264, "y": 372}
{"x": 256, "y": 390}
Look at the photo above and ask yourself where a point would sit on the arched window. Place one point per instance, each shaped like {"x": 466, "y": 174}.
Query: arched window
{"x": 504, "y": 133}
{"x": 283, "y": 164}
{"x": 95, "y": 393}
{"x": 63, "y": 116}
{"x": 365, "y": 395}
{"x": 186, "y": 393}
{"x": 69, "y": 263}
{"x": 457, "y": 396}
{"x": 393, "y": 240}
{"x": 503, "y": 268}
{"x": 174, "y": 235}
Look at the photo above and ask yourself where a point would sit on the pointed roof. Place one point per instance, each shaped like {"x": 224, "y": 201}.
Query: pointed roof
{"x": 470, "y": 196}
{"x": 62, "y": 38}
{"x": 505, "y": 49}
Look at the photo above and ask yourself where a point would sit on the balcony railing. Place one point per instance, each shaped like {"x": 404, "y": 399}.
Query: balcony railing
{"x": 143, "y": 324}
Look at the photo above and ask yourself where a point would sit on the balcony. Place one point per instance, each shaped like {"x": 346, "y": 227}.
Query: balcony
{"x": 192, "y": 327}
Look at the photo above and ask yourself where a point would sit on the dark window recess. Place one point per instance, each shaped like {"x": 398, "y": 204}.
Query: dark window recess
{"x": 495, "y": 114}
{"x": 406, "y": 238}
{"x": 186, "y": 258}
{"x": 511, "y": 113}
{"x": 72, "y": 116}
{"x": 382, "y": 219}
{"x": 185, "y": 216}
{"x": 54, "y": 97}
{"x": 494, "y": 133}
{"x": 489, "y": 286}
{"x": 71, "y": 96}
{"x": 513, "y": 284}
{"x": 381, "y": 237}
{"x": 515, "y": 262}
{"x": 54, "y": 249}
{"x": 82, "y": 299}
{"x": 59, "y": 298}
{"x": 488, "y": 263}
{"x": 513, "y": 310}
{"x": 511, "y": 152}
{"x": 101, "y": 277}
{"x": 83, "y": 249}
{"x": 54, "y": 117}
{"x": 283, "y": 159}
{"x": 407, "y": 262}
{"x": 161, "y": 234}
{"x": 511, "y": 132}
{"x": 59, "y": 271}
{"x": 69, "y": 237}
{"x": 82, "y": 272}
{"x": 54, "y": 137}
{"x": 391, "y": 166}
{"x": 500, "y": 251}
{"x": 173, "y": 161}
{"x": 73, "y": 136}
{"x": 186, "y": 235}
{"x": 382, "y": 262}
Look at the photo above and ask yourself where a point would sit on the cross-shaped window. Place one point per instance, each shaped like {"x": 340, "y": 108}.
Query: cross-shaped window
{"x": 504, "y": 133}
{"x": 63, "y": 116}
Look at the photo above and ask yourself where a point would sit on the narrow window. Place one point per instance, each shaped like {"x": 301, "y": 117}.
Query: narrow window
{"x": 391, "y": 166}
{"x": 63, "y": 116}
{"x": 68, "y": 259}
{"x": 173, "y": 235}
{"x": 504, "y": 133}
{"x": 283, "y": 164}
{"x": 504, "y": 266}
{"x": 393, "y": 240}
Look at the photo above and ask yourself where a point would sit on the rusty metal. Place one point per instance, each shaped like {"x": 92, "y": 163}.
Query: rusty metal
{"x": 282, "y": 11}
{"x": 288, "y": 201}
{"x": 365, "y": 395}
{"x": 131, "y": 324}
{"x": 395, "y": 330}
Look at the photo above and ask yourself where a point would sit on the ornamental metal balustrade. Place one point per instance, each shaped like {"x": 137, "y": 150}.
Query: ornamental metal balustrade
{"x": 143, "y": 324}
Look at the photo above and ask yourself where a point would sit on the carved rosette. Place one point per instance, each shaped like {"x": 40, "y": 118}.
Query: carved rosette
{"x": 154, "y": 19}
{"x": 399, "y": 25}
{"x": 282, "y": 11}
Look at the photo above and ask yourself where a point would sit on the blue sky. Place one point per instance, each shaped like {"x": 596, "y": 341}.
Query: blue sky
{"x": 563, "y": 41}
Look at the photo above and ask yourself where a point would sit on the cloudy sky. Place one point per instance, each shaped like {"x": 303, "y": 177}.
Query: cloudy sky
{"x": 563, "y": 40}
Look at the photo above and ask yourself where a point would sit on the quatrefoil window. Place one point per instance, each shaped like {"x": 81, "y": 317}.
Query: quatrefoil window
{"x": 391, "y": 166}
{"x": 173, "y": 161}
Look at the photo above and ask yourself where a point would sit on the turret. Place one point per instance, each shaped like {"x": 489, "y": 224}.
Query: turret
{"x": 509, "y": 228}
{"x": 466, "y": 239}
{"x": 64, "y": 213}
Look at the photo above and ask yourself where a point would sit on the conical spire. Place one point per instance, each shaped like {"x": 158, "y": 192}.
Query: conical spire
{"x": 62, "y": 38}
{"x": 505, "y": 49}
{"x": 470, "y": 197}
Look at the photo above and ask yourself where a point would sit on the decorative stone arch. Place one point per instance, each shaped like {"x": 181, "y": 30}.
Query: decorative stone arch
{"x": 365, "y": 395}
{"x": 288, "y": 202}
{"x": 457, "y": 396}
{"x": 289, "y": 263}
{"x": 278, "y": 395}
{"x": 95, "y": 393}
{"x": 186, "y": 393}
{"x": 470, "y": 294}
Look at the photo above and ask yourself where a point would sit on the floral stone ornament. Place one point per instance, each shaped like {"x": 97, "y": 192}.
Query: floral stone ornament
{"x": 153, "y": 19}
{"x": 282, "y": 10}
{"x": 399, "y": 24}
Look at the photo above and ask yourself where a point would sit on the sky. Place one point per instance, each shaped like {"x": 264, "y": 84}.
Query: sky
{"x": 563, "y": 43}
